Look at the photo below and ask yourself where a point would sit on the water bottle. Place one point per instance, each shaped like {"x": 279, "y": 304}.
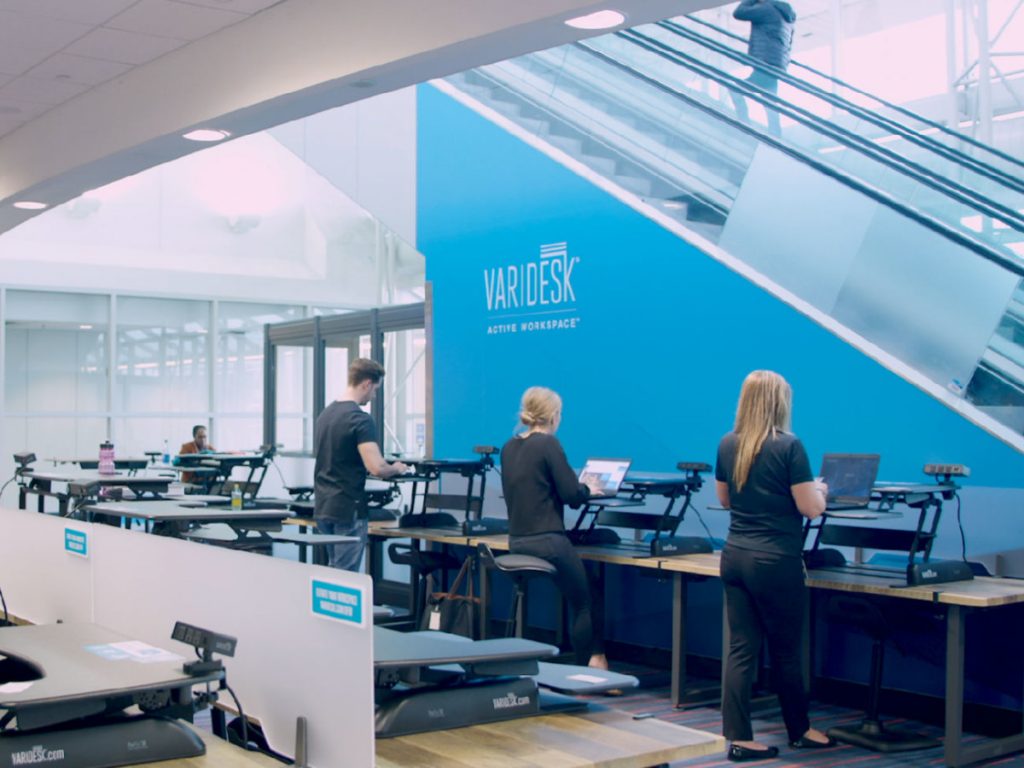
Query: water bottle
{"x": 236, "y": 497}
{"x": 167, "y": 453}
{"x": 106, "y": 458}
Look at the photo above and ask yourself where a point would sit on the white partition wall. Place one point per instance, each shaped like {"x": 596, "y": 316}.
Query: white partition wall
{"x": 305, "y": 633}
{"x": 42, "y": 582}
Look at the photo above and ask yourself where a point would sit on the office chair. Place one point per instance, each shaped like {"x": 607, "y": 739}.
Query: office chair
{"x": 519, "y": 568}
{"x": 864, "y": 615}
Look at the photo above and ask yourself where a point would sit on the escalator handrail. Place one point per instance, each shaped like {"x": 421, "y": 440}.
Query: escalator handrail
{"x": 1009, "y": 263}
{"x": 889, "y": 105}
{"x": 942, "y": 184}
{"x": 915, "y": 137}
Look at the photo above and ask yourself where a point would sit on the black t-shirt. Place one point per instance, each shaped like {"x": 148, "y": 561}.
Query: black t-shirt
{"x": 538, "y": 482}
{"x": 339, "y": 478}
{"x": 763, "y": 515}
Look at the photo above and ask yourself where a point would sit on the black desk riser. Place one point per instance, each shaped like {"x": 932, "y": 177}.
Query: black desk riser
{"x": 886, "y": 498}
{"x": 636, "y": 488}
{"x": 73, "y": 715}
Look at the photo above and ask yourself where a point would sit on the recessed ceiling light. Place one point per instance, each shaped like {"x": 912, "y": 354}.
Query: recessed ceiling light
{"x": 85, "y": 327}
{"x": 206, "y": 134}
{"x": 597, "y": 20}
{"x": 30, "y": 205}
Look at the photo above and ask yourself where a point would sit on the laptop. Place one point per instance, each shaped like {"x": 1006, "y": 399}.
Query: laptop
{"x": 850, "y": 478}
{"x": 609, "y": 474}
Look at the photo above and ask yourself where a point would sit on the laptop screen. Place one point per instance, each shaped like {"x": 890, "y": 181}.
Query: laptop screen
{"x": 850, "y": 476}
{"x": 609, "y": 474}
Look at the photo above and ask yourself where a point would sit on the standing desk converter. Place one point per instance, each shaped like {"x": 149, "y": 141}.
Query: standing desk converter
{"x": 86, "y": 675}
{"x": 181, "y": 511}
{"x": 637, "y": 488}
{"x": 82, "y": 484}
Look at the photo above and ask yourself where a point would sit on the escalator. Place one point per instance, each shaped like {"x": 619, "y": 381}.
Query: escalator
{"x": 915, "y": 257}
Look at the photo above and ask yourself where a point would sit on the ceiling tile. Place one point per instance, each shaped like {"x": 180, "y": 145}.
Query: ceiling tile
{"x": 239, "y": 6}
{"x": 44, "y": 91}
{"x": 124, "y": 47}
{"x": 9, "y": 122}
{"x": 78, "y": 69}
{"x": 25, "y": 40}
{"x": 93, "y": 12}
{"x": 26, "y": 110}
{"x": 170, "y": 19}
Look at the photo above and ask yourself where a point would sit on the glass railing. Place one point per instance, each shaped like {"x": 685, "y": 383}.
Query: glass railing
{"x": 891, "y": 117}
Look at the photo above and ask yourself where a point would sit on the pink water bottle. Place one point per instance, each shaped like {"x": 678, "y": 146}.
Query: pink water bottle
{"x": 106, "y": 458}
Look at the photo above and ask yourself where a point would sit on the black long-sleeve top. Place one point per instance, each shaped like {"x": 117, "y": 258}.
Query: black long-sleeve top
{"x": 538, "y": 482}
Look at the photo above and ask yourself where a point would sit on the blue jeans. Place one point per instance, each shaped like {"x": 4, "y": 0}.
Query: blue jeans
{"x": 347, "y": 556}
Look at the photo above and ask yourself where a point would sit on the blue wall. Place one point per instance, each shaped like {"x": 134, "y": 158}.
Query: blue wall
{"x": 663, "y": 335}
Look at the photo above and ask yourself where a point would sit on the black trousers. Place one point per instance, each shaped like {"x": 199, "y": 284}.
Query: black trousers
{"x": 765, "y": 597}
{"x": 586, "y": 610}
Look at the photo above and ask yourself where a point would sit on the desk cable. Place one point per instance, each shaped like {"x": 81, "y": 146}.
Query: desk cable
{"x": 960, "y": 525}
{"x": 4, "y": 486}
{"x": 700, "y": 517}
{"x": 280, "y": 474}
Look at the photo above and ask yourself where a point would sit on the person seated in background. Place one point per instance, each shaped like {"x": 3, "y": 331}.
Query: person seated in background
{"x": 198, "y": 444}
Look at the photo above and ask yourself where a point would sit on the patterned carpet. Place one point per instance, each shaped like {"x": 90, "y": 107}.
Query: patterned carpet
{"x": 769, "y": 730}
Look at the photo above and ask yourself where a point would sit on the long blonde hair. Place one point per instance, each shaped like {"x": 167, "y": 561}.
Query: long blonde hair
{"x": 766, "y": 403}
{"x": 540, "y": 407}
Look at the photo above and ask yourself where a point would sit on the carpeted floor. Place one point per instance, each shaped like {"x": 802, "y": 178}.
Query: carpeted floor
{"x": 653, "y": 698}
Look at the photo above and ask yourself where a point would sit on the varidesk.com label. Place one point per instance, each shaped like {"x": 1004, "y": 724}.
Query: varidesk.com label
{"x": 337, "y": 602}
{"x": 38, "y": 754}
{"x": 76, "y": 542}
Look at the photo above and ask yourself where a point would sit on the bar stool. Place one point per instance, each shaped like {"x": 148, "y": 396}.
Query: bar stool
{"x": 422, "y": 563}
{"x": 862, "y": 614}
{"x": 519, "y": 568}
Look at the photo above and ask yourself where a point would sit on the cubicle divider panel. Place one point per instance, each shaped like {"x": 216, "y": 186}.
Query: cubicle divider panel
{"x": 305, "y": 633}
{"x": 45, "y": 567}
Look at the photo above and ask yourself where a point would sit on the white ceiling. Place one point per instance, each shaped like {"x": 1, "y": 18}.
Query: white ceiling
{"x": 54, "y": 50}
{"x": 94, "y": 90}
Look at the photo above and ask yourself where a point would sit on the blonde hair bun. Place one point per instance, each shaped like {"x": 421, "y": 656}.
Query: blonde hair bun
{"x": 539, "y": 407}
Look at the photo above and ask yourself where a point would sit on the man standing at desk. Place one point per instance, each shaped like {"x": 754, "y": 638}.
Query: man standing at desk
{"x": 199, "y": 444}
{"x": 345, "y": 442}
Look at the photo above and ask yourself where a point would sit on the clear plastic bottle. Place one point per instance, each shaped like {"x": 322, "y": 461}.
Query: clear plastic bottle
{"x": 167, "y": 453}
{"x": 236, "y": 497}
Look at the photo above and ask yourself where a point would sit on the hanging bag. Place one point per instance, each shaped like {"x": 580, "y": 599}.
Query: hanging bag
{"x": 456, "y": 610}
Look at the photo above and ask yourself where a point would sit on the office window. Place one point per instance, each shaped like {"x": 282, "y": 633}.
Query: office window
{"x": 162, "y": 356}
{"x": 56, "y": 352}
{"x": 405, "y": 410}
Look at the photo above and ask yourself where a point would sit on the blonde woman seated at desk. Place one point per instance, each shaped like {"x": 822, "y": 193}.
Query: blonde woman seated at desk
{"x": 763, "y": 477}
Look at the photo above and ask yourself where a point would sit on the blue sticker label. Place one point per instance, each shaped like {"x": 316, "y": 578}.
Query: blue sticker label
{"x": 333, "y": 601}
{"x": 76, "y": 542}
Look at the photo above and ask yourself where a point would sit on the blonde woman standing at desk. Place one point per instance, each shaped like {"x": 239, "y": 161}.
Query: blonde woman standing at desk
{"x": 763, "y": 477}
{"x": 538, "y": 482}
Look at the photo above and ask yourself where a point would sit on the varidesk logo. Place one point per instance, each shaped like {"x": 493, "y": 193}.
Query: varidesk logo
{"x": 38, "y": 754}
{"x": 534, "y": 295}
{"x": 510, "y": 700}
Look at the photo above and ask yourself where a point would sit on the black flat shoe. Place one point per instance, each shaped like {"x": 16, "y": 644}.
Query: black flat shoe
{"x": 804, "y": 743}
{"x": 740, "y": 754}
